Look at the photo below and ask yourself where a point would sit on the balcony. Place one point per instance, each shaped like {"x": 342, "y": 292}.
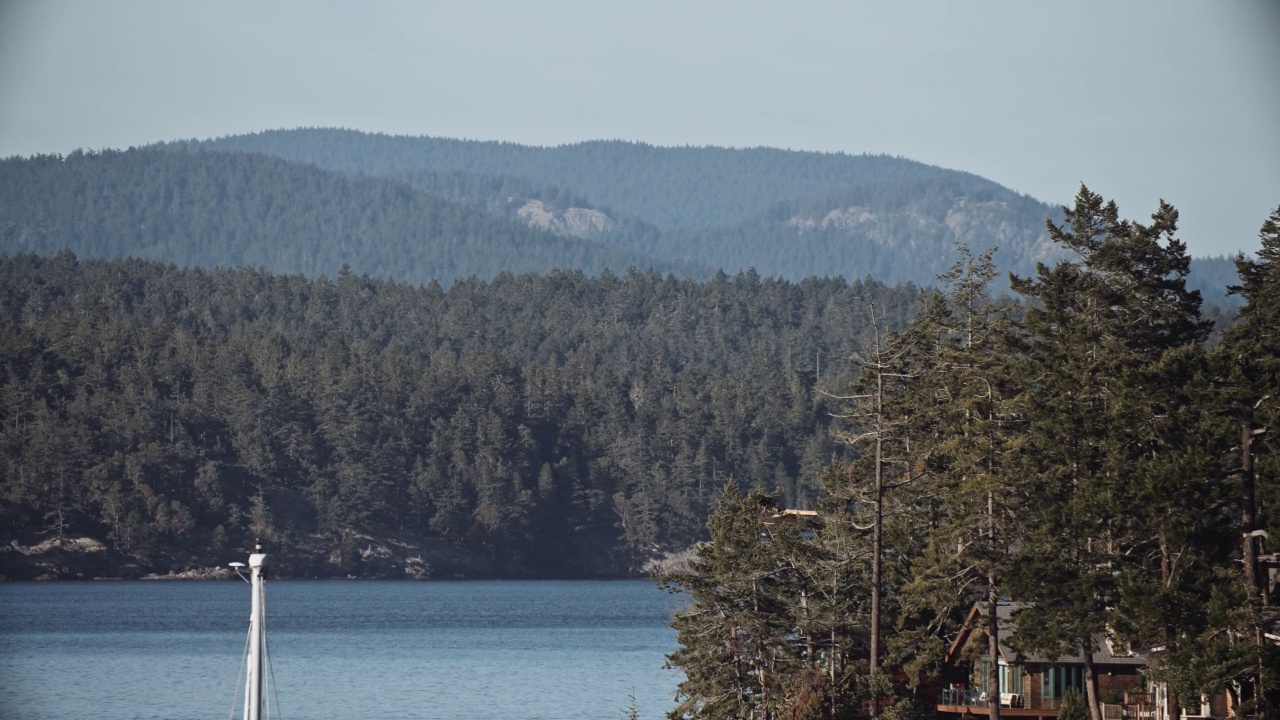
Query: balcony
{"x": 967, "y": 697}
{"x": 1128, "y": 711}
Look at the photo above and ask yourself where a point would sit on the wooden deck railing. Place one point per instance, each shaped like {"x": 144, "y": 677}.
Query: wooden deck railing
{"x": 968, "y": 698}
{"x": 1128, "y": 711}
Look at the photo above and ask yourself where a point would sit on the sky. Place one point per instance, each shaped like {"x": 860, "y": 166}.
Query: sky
{"x": 1141, "y": 100}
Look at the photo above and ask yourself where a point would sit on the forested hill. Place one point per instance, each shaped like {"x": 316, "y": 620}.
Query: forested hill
{"x": 547, "y": 425}
{"x": 900, "y": 231}
{"x": 668, "y": 187}
{"x": 785, "y": 213}
{"x": 212, "y": 209}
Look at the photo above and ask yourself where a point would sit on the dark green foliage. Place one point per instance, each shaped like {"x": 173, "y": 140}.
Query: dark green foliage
{"x": 1089, "y": 457}
{"x": 1253, "y": 344}
{"x": 749, "y": 646}
{"x": 1117, "y": 463}
{"x": 1246, "y": 379}
{"x": 554, "y": 424}
{"x": 1073, "y": 707}
{"x": 966, "y": 424}
{"x": 733, "y": 638}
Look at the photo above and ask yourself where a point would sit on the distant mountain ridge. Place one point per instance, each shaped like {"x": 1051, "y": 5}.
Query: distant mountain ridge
{"x": 212, "y": 209}
{"x": 714, "y": 207}
{"x": 898, "y": 231}
{"x": 419, "y": 209}
{"x": 668, "y": 187}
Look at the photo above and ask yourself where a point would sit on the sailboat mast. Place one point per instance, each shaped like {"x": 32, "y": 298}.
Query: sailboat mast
{"x": 257, "y": 637}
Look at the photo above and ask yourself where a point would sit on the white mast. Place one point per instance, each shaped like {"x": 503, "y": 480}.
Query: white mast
{"x": 257, "y": 637}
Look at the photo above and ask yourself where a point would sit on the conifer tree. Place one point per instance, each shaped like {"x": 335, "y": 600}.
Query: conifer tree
{"x": 735, "y": 635}
{"x": 969, "y": 483}
{"x": 872, "y": 510}
{"x": 1254, "y": 346}
{"x": 877, "y": 427}
{"x": 841, "y": 578}
{"x": 1097, "y": 324}
{"x": 1248, "y": 361}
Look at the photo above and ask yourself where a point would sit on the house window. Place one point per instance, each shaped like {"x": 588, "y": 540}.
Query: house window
{"x": 1010, "y": 678}
{"x": 1058, "y": 679}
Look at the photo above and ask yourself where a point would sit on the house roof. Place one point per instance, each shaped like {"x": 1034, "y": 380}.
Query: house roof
{"x": 1004, "y": 619}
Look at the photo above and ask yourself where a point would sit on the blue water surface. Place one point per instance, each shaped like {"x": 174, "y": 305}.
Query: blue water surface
{"x": 482, "y": 650}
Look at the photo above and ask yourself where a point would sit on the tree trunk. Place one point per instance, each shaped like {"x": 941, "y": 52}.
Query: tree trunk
{"x": 993, "y": 648}
{"x": 809, "y": 654}
{"x": 764, "y": 693}
{"x": 993, "y": 606}
{"x": 876, "y": 538}
{"x": 1173, "y": 709}
{"x": 739, "y": 684}
{"x": 1248, "y": 505}
{"x": 875, "y": 581}
{"x": 876, "y": 535}
{"x": 831, "y": 668}
{"x": 1091, "y": 682}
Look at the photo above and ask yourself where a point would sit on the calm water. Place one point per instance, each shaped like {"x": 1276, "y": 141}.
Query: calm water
{"x": 500, "y": 650}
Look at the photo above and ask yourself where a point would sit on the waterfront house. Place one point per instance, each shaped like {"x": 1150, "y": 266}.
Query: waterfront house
{"x": 1032, "y": 685}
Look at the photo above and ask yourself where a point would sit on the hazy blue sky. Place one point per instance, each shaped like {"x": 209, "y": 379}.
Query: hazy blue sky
{"x": 1140, "y": 99}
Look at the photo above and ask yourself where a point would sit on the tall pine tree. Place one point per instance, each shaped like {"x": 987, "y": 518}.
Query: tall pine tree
{"x": 1095, "y": 326}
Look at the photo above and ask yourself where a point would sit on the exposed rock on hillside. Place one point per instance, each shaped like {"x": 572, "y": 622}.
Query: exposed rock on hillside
{"x": 910, "y": 234}
{"x": 575, "y": 221}
{"x": 65, "y": 559}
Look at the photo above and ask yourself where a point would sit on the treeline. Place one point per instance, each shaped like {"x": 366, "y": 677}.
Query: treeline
{"x": 556, "y": 424}
{"x": 1088, "y": 455}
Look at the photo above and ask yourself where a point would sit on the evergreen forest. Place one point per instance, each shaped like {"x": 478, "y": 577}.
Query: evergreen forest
{"x": 1086, "y": 453}
{"x": 547, "y": 425}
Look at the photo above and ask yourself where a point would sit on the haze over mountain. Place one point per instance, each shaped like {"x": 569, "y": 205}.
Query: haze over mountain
{"x": 420, "y": 209}
{"x": 785, "y": 213}
{"x": 231, "y": 210}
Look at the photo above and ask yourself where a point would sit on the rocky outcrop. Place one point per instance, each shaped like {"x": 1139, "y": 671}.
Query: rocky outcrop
{"x": 65, "y": 559}
{"x": 917, "y": 230}
{"x": 205, "y": 573}
{"x": 575, "y": 221}
{"x": 366, "y": 556}
{"x": 840, "y": 218}
{"x": 671, "y": 562}
{"x": 314, "y": 556}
